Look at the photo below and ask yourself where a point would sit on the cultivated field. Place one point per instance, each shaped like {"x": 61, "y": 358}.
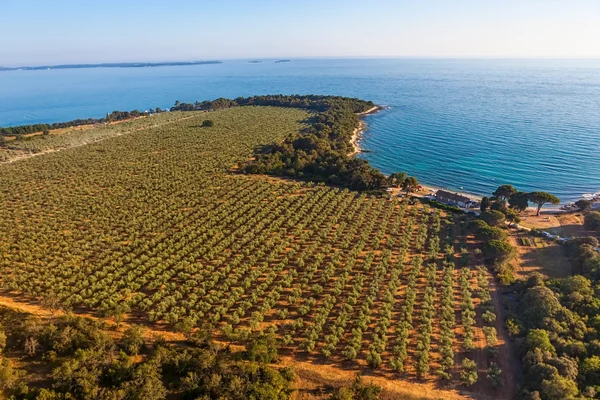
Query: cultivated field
{"x": 152, "y": 226}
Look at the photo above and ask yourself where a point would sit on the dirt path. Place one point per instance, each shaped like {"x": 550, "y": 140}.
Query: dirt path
{"x": 506, "y": 355}
{"x": 43, "y": 152}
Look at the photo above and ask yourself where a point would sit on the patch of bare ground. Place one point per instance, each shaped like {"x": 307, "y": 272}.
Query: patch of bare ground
{"x": 535, "y": 254}
{"x": 566, "y": 224}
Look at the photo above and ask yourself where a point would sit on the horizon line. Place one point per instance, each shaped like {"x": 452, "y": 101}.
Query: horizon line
{"x": 347, "y": 57}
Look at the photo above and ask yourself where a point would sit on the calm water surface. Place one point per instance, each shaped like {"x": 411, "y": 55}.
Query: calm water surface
{"x": 471, "y": 124}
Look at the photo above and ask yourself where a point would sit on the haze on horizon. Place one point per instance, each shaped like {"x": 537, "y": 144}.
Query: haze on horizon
{"x": 37, "y": 32}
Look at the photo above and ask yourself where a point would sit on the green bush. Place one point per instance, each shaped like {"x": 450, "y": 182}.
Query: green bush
{"x": 133, "y": 339}
{"x": 497, "y": 251}
{"x": 493, "y": 217}
{"x": 490, "y": 233}
{"x": 468, "y": 375}
{"x": 592, "y": 221}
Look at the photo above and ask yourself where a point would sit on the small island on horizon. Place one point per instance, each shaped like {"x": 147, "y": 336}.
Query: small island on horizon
{"x": 111, "y": 65}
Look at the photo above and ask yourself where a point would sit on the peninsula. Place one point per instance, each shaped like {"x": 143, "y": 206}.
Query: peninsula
{"x": 111, "y": 65}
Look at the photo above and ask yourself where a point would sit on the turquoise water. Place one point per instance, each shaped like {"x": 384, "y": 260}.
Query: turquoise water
{"x": 470, "y": 124}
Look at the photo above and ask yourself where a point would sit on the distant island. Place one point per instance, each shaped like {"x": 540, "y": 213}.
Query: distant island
{"x": 255, "y": 62}
{"x": 111, "y": 65}
{"x": 282, "y": 61}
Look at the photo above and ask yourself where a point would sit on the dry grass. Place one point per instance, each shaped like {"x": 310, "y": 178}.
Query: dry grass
{"x": 536, "y": 254}
{"x": 315, "y": 381}
{"x": 563, "y": 224}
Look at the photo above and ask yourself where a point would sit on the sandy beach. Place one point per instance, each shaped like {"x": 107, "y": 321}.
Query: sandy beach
{"x": 355, "y": 138}
{"x": 360, "y": 129}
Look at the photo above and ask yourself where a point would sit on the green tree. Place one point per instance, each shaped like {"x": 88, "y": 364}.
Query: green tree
{"x": 476, "y": 225}
{"x": 262, "y": 348}
{"x": 490, "y": 233}
{"x": 493, "y": 217}
{"x": 583, "y": 205}
{"x": 147, "y": 383}
{"x": 541, "y": 198}
{"x": 512, "y": 216}
{"x": 497, "y": 251}
{"x": 541, "y": 305}
{"x": 185, "y": 326}
{"x": 592, "y": 221}
{"x": 2, "y": 340}
{"x": 539, "y": 339}
{"x": 485, "y": 204}
{"x": 559, "y": 388}
{"x": 358, "y": 391}
{"x": 499, "y": 205}
{"x": 494, "y": 374}
{"x": 519, "y": 201}
{"x": 133, "y": 339}
{"x": 397, "y": 178}
{"x": 590, "y": 371}
{"x": 9, "y": 377}
{"x": 410, "y": 184}
{"x": 504, "y": 192}
{"x": 468, "y": 375}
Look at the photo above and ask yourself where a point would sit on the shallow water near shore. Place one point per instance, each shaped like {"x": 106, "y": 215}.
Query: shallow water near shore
{"x": 466, "y": 125}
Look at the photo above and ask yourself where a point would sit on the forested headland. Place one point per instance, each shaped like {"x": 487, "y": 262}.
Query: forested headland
{"x": 318, "y": 153}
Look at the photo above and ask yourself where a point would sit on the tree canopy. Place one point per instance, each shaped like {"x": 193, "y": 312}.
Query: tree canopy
{"x": 592, "y": 221}
{"x": 519, "y": 201}
{"x": 505, "y": 191}
{"x": 410, "y": 184}
{"x": 493, "y": 217}
{"x": 497, "y": 251}
{"x": 541, "y": 198}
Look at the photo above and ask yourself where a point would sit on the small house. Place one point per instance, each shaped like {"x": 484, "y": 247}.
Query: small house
{"x": 454, "y": 199}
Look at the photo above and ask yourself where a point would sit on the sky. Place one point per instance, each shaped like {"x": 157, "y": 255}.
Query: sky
{"x": 41, "y": 32}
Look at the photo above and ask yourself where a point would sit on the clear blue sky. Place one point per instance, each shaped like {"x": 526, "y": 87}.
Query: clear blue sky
{"x": 61, "y": 31}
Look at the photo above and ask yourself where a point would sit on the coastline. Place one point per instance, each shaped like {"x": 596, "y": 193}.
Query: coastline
{"x": 426, "y": 189}
{"x": 358, "y": 131}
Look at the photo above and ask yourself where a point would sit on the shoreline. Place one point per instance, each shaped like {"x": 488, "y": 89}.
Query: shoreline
{"x": 358, "y": 131}
{"x": 426, "y": 188}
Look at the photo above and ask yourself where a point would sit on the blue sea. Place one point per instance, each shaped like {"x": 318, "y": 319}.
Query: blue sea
{"x": 467, "y": 125}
